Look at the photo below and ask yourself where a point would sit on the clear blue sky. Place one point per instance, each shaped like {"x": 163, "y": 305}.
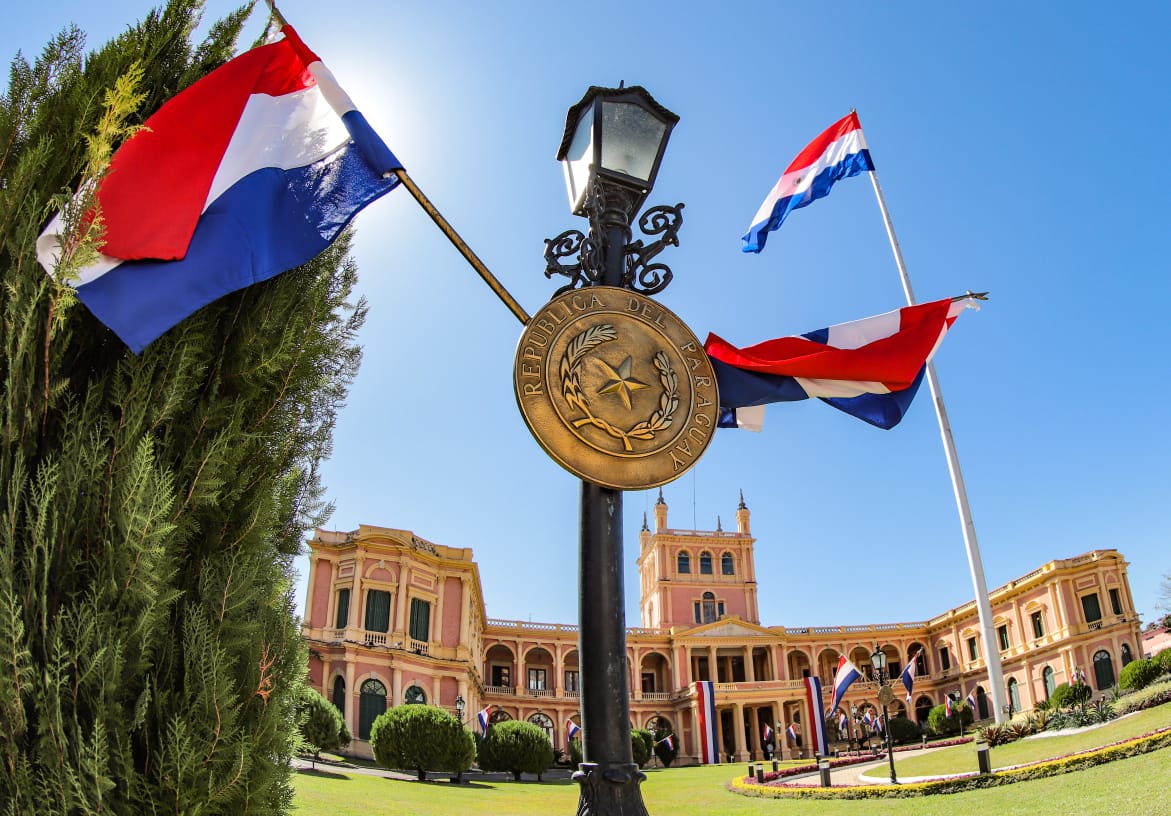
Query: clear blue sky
{"x": 1013, "y": 142}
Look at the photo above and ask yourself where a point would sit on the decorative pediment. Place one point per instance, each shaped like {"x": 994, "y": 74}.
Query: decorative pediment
{"x": 729, "y": 628}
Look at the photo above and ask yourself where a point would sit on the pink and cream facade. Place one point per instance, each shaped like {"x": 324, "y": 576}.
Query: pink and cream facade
{"x": 393, "y": 619}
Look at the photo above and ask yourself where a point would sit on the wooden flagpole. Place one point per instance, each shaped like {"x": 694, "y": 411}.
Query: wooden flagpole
{"x": 975, "y": 565}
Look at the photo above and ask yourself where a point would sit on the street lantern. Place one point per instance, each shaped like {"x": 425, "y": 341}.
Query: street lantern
{"x": 878, "y": 660}
{"x": 459, "y": 707}
{"x": 615, "y": 136}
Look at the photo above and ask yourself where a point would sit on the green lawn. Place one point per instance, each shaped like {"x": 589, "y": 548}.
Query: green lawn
{"x": 961, "y": 758}
{"x": 1121, "y": 787}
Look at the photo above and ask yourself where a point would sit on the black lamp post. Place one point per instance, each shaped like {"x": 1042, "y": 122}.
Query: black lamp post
{"x": 857, "y": 727}
{"x": 459, "y": 708}
{"x": 613, "y": 143}
{"x": 878, "y": 660}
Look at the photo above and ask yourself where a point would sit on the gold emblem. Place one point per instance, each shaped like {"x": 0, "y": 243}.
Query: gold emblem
{"x": 615, "y": 388}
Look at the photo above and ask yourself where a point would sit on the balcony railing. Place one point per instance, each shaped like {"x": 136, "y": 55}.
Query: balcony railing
{"x": 419, "y": 647}
{"x": 499, "y": 690}
{"x": 374, "y": 638}
{"x": 536, "y": 692}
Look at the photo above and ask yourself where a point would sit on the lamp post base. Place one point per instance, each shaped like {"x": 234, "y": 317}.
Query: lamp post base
{"x": 611, "y": 790}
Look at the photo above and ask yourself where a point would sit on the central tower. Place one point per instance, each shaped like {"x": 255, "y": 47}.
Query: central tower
{"x": 688, "y": 577}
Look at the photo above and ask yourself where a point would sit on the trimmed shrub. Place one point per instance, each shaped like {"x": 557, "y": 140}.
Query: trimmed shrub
{"x": 322, "y": 726}
{"x": 666, "y": 755}
{"x": 1139, "y": 674}
{"x": 641, "y": 744}
{"x": 940, "y": 724}
{"x": 517, "y": 747}
{"x": 1163, "y": 659}
{"x": 1153, "y": 695}
{"x": 902, "y": 730}
{"x": 1066, "y": 695}
{"x": 575, "y": 754}
{"x": 423, "y": 738}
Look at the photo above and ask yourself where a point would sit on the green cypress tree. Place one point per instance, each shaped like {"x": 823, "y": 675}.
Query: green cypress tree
{"x": 150, "y": 506}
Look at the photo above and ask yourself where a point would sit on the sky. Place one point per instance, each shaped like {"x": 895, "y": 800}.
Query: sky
{"x": 1010, "y": 140}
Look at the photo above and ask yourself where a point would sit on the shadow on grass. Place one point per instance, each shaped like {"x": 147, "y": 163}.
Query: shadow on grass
{"x": 322, "y": 773}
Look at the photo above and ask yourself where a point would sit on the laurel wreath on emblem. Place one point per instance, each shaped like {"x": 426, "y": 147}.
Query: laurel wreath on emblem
{"x": 571, "y": 361}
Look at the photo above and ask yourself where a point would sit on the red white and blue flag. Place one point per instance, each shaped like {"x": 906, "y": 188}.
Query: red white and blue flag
{"x": 482, "y": 718}
{"x": 768, "y": 733}
{"x": 705, "y": 697}
{"x": 249, "y": 172}
{"x": 838, "y": 153}
{"x": 870, "y": 368}
{"x": 791, "y": 731}
{"x": 669, "y": 742}
{"x": 846, "y": 674}
{"x": 572, "y": 729}
{"x": 947, "y": 707}
{"x": 971, "y": 698}
{"x": 816, "y": 716}
{"x": 908, "y": 675}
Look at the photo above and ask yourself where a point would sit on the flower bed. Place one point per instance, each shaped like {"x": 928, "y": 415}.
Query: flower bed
{"x": 843, "y": 762}
{"x": 1134, "y": 746}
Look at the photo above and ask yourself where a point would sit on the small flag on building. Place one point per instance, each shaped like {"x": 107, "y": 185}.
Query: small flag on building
{"x": 768, "y": 733}
{"x": 482, "y": 718}
{"x": 791, "y": 732}
{"x": 909, "y": 674}
{"x": 706, "y": 704}
{"x": 846, "y": 674}
{"x": 572, "y": 729}
{"x": 971, "y": 698}
{"x": 670, "y": 743}
{"x": 947, "y": 707}
{"x": 838, "y": 153}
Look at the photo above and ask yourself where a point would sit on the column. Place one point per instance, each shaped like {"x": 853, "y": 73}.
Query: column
{"x": 753, "y": 738}
{"x": 325, "y": 690}
{"x": 465, "y": 605}
{"x": 558, "y": 684}
{"x": 396, "y": 686}
{"x": 738, "y": 732}
{"x": 309, "y": 610}
{"x": 749, "y": 669}
{"x": 351, "y": 694}
{"x": 399, "y": 624}
{"x": 357, "y": 598}
{"x": 435, "y": 696}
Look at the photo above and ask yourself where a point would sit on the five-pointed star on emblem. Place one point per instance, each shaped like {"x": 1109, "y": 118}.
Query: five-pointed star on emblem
{"x": 620, "y": 382}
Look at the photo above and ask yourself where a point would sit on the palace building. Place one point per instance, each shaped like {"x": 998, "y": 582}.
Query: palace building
{"x": 392, "y": 619}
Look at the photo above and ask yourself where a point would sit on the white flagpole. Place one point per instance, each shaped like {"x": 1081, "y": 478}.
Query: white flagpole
{"x": 983, "y": 606}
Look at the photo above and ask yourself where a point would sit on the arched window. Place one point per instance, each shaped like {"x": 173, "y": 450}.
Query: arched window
{"x": 1127, "y": 657}
{"x": 684, "y": 563}
{"x": 705, "y": 563}
{"x": 727, "y": 566}
{"x": 982, "y": 703}
{"x": 339, "y": 694}
{"x": 499, "y": 715}
{"x": 543, "y": 722}
{"x": 709, "y": 607}
{"x": 1014, "y": 694}
{"x": 1048, "y": 680}
{"x": 415, "y": 696}
{"x": 371, "y": 703}
{"x": 1103, "y": 670}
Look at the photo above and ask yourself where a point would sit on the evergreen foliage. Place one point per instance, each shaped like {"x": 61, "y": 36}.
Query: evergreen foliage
{"x": 1139, "y": 674}
{"x": 425, "y": 738}
{"x": 1163, "y": 659}
{"x": 666, "y": 755}
{"x": 517, "y": 747}
{"x": 641, "y": 745}
{"x": 151, "y": 506}
{"x": 903, "y": 730}
{"x": 940, "y": 724}
{"x": 322, "y": 725}
{"x": 575, "y": 751}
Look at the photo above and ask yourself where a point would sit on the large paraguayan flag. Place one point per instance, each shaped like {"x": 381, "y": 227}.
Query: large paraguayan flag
{"x": 870, "y": 368}
{"x": 846, "y": 674}
{"x": 816, "y": 716}
{"x": 249, "y": 172}
{"x": 705, "y": 697}
{"x": 838, "y": 153}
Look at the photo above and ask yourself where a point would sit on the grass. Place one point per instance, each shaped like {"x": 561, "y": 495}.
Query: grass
{"x": 961, "y": 758}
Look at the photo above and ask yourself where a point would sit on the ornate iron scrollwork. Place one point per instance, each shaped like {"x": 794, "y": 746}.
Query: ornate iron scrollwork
{"x": 639, "y": 273}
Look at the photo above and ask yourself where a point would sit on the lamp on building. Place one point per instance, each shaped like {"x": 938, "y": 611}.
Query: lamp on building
{"x": 459, "y": 708}
{"x": 885, "y": 695}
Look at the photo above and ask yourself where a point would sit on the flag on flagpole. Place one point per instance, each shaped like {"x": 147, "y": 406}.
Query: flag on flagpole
{"x": 909, "y": 674}
{"x": 705, "y": 697}
{"x": 870, "y": 368}
{"x": 816, "y": 716}
{"x": 842, "y": 720}
{"x": 670, "y": 743}
{"x": 249, "y": 172}
{"x": 947, "y": 707}
{"x": 572, "y": 729}
{"x": 791, "y": 732}
{"x": 838, "y": 153}
{"x": 846, "y": 674}
{"x": 768, "y": 733}
{"x": 971, "y": 698}
{"x": 482, "y": 717}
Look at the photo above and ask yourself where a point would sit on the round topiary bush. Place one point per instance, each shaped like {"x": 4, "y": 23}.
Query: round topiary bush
{"x": 941, "y": 725}
{"x": 641, "y": 744}
{"x": 321, "y": 724}
{"x": 902, "y": 730}
{"x": 517, "y": 747}
{"x": 1163, "y": 658}
{"x": 422, "y": 738}
{"x": 1139, "y": 674}
{"x": 666, "y": 753}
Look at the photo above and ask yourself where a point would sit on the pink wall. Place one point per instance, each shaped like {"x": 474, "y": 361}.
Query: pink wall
{"x": 453, "y": 603}
{"x": 319, "y": 612}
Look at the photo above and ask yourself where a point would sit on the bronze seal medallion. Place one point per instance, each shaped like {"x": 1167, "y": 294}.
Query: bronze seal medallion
{"x": 615, "y": 388}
